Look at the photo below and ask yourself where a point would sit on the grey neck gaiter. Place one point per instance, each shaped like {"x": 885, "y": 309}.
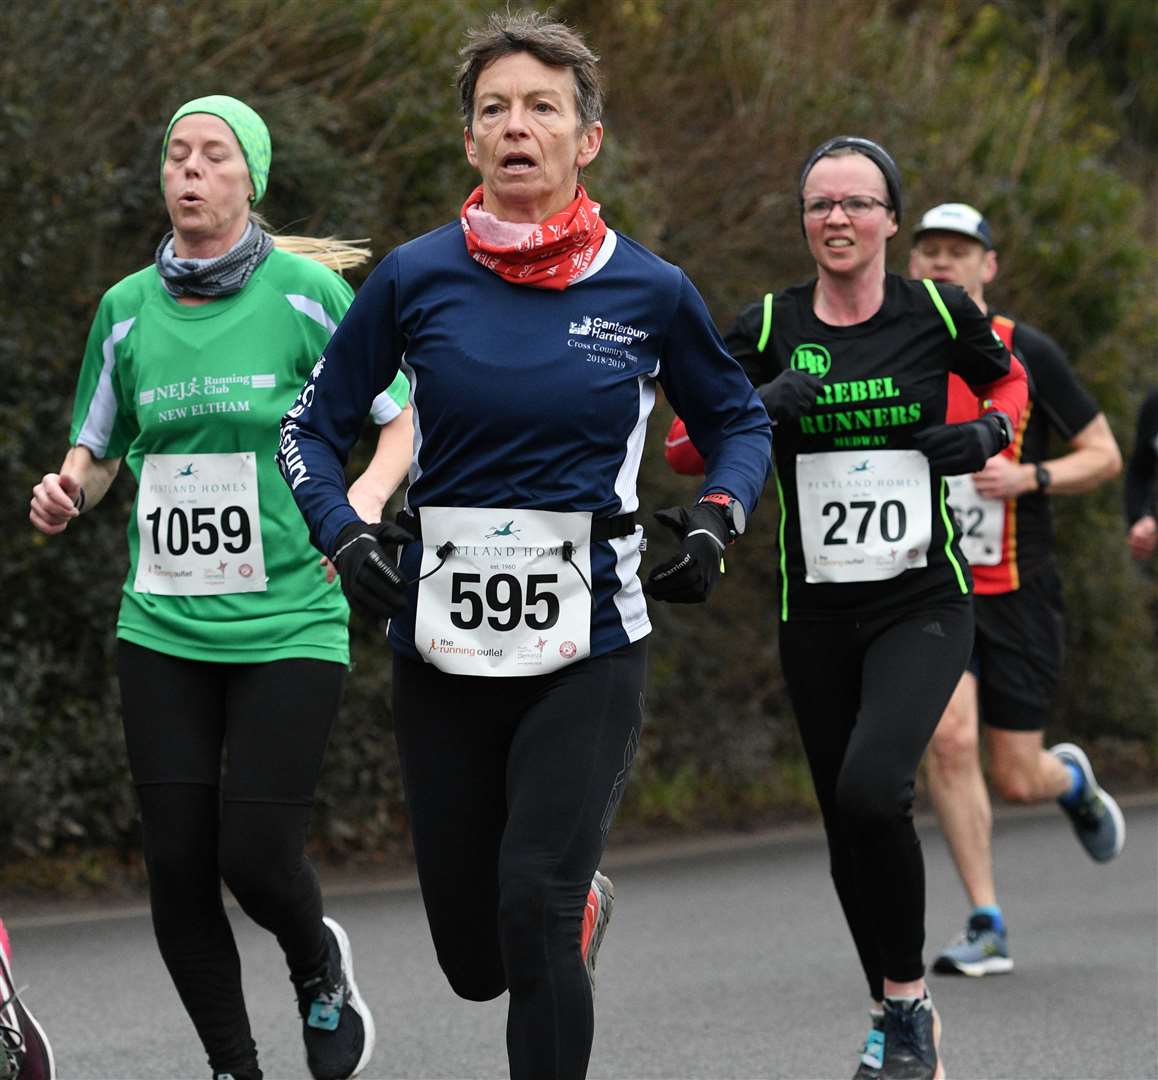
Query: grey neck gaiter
{"x": 222, "y": 276}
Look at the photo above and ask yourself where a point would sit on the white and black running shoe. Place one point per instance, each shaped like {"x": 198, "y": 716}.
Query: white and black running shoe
{"x": 337, "y": 1027}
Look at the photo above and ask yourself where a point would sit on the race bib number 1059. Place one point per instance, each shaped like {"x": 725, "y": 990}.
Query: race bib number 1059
{"x": 198, "y": 525}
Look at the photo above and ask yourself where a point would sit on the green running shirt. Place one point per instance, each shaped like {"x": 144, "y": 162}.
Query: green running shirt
{"x": 193, "y": 397}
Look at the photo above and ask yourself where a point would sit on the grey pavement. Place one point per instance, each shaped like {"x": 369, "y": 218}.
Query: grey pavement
{"x": 726, "y": 958}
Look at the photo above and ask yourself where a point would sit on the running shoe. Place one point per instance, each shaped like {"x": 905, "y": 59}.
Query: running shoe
{"x": 596, "y": 916}
{"x": 912, "y": 1033}
{"x": 1096, "y": 817}
{"x": 25, "y": 1051}
{"x": 980, "y": 949}
{"x": 872, "y": 1057}
{"x": 336, "y": 1024}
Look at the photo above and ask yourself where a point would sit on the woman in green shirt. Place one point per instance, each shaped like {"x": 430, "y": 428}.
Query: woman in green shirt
{"x": 231, "y": 641}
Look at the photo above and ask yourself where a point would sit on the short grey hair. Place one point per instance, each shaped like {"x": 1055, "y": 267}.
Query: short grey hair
{"x": 548, "y": 41}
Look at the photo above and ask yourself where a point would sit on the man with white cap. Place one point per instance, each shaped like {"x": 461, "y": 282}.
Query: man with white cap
{"x": 1003, "y": 513}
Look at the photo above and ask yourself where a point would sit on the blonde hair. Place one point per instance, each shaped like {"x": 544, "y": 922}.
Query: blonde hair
{"x": 338, "y": 255}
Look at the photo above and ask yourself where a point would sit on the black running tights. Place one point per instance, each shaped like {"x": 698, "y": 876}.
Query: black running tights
{"x": 867, "y": 697}
{"x": 512, "y": 784}
{"x": 270, "y": 722}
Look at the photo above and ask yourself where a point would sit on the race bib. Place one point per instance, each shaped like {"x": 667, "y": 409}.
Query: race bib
{"x": 864, "y": 515}
{"x": 199, "y": 525}
{"x": 980, "y": 521}
{"x": 507, "y": 600}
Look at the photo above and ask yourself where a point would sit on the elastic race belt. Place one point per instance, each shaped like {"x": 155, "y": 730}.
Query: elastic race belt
{"x": 601, "y": 528}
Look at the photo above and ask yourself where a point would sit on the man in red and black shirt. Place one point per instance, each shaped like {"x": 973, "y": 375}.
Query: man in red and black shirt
{"x": 1003, "y": 512}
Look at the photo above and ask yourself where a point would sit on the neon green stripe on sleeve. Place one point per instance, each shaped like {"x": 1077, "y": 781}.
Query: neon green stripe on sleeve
{"x": 766, "y": 330}
{"x": 939, "y": 304}
{"x": 783, "y": 559}
{"x": 949, "y": 537}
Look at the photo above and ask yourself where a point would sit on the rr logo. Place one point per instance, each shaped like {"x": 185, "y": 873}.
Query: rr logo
{"x": 811, "y": 358}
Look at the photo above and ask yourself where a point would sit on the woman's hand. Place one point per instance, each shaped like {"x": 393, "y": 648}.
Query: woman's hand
{"x": 790, "y": 395}
{"x": 1143, "y": 538}
{"x": 54, "y": 502}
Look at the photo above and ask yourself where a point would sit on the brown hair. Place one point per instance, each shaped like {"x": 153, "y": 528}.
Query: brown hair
{"x": 551, "y": 42}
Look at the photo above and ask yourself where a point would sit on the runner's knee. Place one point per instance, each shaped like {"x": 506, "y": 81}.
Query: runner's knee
{"x": 466, "y": 943}
{"x": 470, "y": 979}
{"x": 870, "y": 801}
{"x": 537, "y": 928}
{"x": 955, "y": 745}
{"x": 262, "y": 851}
{"x": 1014, "y": 783}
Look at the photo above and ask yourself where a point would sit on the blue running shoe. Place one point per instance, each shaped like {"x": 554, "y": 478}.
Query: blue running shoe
{"x": 980, "y": 949}
{"x": 1096, "y": 817}
{"x": 872, "y": 1057}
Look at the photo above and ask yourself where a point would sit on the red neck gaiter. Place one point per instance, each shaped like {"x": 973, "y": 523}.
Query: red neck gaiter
{"x": 549, "y": 255}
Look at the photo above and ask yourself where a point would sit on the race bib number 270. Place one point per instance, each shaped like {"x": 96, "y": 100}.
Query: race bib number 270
{"x": 864, "y": 515}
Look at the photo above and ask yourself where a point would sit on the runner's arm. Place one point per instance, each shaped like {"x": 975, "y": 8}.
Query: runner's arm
{"x": 370, "y": 492}
{"x": 708, "y": 389}
{"x": 1093, "y": 459}
{"x": 742, "y": 342}
{"x": 1143, "y": 465}
{"x": 317, "y": 433}
{"x": 681, "y": 452}
{"x": 979, "y": 356}
{"x": 81, "y": 483}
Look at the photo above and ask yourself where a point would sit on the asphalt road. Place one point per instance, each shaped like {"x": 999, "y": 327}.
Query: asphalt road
{"x": 729, "y": 959}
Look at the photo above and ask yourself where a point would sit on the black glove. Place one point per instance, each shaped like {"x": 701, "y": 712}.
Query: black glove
{"x": 954, "y": 449}
{"x": 789, "y": 395}
{"x": 690, "y": 576}
{"x": 370, "y": 578}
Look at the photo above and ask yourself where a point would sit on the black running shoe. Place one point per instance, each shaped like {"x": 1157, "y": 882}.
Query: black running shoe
{"x": 911, "y": 1038}
{"x": 336, "y": 1024}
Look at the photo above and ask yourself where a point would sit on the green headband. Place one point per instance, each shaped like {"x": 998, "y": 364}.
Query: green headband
{"x": 249, "y": 128}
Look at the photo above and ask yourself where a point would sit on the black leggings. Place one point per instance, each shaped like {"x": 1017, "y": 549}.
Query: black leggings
{"x": 512, "y": 784}
{"x": 867, "y": 697}
{"x": 247, "y": 826}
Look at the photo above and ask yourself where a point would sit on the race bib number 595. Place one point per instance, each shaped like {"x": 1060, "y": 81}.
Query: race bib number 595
{"x": 511, "y": 598}
{"x": 198, "y": 526}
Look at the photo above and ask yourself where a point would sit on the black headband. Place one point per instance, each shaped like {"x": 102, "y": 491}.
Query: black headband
{"x": 876, "y": 153}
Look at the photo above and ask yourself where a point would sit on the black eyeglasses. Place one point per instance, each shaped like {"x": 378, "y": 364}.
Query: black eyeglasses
{"x": 855, "y": 206}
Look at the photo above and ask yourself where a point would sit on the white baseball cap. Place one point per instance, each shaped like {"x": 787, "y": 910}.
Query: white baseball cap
{"x": 956, "y": 218}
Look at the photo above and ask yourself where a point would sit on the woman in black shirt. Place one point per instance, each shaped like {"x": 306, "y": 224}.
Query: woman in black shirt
{"x": 873, "y": 592}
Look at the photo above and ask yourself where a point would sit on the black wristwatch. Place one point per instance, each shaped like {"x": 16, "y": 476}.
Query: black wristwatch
{"x": 1043, "y": 477}
{"x": 734, "y": 513}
